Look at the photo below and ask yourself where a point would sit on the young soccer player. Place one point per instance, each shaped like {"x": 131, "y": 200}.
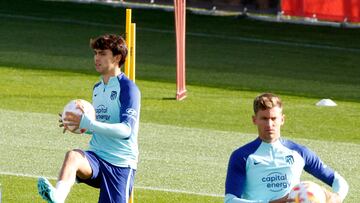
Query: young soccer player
{"x": 266, "y": 169}
{"x": 111, "y": 160}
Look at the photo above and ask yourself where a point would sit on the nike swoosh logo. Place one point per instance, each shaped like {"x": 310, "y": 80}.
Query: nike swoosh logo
{"x": 256, "y": 163}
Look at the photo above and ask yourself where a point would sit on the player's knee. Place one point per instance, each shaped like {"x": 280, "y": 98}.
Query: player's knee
{"x": 74, "y": 155}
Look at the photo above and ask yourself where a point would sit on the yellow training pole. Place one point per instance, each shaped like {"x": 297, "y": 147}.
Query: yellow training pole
{"x": 132, "y": 52}
{"x": 131, "y": 198}
{"x": 128, "y": 41}
{"x": 130, "y": 60}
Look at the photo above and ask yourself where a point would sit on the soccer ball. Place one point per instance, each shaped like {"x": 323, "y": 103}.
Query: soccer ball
{"x": 307, "y": 192}
{"x": 72, "y": 106}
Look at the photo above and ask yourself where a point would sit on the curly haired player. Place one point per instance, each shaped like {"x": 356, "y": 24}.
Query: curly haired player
{"x": 111, "y": 160}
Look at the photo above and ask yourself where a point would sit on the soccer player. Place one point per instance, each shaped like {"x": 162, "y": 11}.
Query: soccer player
{"x": 111, "y": 160}
{"x": 266, "y": 169}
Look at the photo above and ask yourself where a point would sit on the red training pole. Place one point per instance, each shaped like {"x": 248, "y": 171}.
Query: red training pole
{"x": 180, "y": 24}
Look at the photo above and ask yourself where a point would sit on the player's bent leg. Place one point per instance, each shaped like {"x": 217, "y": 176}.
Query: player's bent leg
{"x": 75, "y": 164}
{"x": 46, "y": 190}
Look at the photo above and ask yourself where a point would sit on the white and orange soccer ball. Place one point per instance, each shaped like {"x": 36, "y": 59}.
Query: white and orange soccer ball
{"x": 308, "y": 192}
{"x": 72, "y": 106}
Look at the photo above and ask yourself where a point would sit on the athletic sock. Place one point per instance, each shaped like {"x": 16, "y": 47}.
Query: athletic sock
{"x": 62, "y": 190}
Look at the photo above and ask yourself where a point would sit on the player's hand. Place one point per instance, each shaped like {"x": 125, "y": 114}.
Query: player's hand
{"x": 61, "y": 123}
{"x": 64, "y": 125}
{"x": 284, "y": 199}
{"x": 332, "y": 197}
{"x": 71, "y": 119}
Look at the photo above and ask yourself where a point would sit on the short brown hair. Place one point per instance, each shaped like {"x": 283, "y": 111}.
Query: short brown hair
{"x": 266, "y": 101}
{"x": 115, "y": 43}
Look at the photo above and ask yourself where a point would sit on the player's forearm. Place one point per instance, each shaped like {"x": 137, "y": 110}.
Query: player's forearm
{"x": 121, "y": 130}
{"x": 229, "y": 198}
{"x": 340, "y": 186}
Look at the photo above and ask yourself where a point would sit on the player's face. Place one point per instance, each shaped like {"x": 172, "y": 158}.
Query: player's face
{"x": 105, "y": 62}
{"x": 269, "y": 122}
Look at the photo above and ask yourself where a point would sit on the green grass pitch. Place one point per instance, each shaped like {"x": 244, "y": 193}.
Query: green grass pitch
{"x": 45, "y": 61}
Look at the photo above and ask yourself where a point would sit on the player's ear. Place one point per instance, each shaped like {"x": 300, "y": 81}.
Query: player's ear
{"x": 282, "y": 119}
{"x": 117, "y": 58}
{"x": 254, "y": 119}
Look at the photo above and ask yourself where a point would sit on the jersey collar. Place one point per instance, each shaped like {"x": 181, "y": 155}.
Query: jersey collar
{"x": 273, "y": 144}
{"x": 112, "y": 80}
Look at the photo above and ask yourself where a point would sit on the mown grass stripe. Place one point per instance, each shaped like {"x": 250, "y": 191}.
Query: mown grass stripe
{"x": 136, "y": 186}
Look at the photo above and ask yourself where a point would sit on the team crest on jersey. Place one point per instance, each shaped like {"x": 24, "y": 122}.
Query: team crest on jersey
{"x": 289, "y": 159}
{"x": 113, "y": 95}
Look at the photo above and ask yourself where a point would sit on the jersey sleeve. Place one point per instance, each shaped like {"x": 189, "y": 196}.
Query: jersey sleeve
{"x": 236, "y": 175}
{"x": 317, "y": 168}
{"x": 121, "y": 130}
{"x": 130, "y": 103}
{"x": 313, "y": 163}
{"x": 340, "y": 186}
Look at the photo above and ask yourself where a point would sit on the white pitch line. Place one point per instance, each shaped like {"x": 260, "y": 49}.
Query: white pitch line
{"x": 25, "y": 175}
{"x": 193, "y": 34}
{"x": 179, "y": 191}
{"x": 139, "y": 187}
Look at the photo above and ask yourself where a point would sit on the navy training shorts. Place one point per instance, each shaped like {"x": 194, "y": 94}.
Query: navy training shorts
{"x": 115, "y": 183}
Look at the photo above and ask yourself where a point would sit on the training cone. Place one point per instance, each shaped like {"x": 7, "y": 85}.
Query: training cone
{"x": 326, "y": 102}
